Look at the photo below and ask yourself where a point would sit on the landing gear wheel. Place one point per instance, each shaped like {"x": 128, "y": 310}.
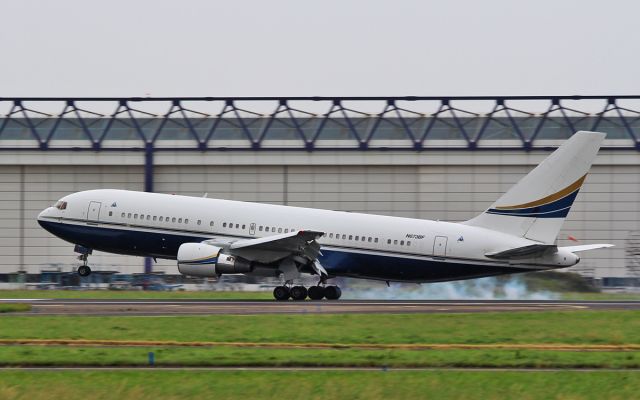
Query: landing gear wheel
{"x": 84, "y": 270}
{"x": 281, "y": 293}
{"x": 332, "y": 292}
{"x": 298, "y": 293}
{"x": 316, "y": 292}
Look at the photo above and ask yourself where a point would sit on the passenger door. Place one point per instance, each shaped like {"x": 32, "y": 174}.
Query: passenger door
{"x": 93, "y": 213}
{"x": 440, "y": 246}
{"x": 252, "y": 229}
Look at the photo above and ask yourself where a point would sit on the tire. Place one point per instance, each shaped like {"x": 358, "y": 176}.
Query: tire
{"x": 298, "y": 293}
{"x": 281, "y": 293}
{"x": 332, "y": 292}
{"x": 316, "y": 292}
{"x": 84, "y": 270}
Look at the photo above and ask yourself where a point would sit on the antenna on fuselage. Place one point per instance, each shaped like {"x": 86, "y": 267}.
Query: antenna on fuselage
{"x": 205, "y": 195}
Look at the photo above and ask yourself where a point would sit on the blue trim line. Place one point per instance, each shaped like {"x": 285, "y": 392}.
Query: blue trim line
{"x": 556, "y": 209}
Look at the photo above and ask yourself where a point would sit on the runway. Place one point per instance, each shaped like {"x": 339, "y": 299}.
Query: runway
{"x": 249, "y": 307}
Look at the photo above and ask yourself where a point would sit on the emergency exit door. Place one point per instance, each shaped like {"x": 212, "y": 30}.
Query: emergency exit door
{"x": 93, "y": 213}
{"x": 440, "y": 246}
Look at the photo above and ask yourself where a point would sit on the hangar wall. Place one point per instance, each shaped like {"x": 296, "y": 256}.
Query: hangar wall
{"x": 435, "y": 185}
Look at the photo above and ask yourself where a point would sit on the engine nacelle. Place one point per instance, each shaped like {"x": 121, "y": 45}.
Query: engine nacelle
{"x": 200, "y": 259}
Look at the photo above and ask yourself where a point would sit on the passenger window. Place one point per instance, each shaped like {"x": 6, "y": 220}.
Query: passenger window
{"x": 186, "y": 220}
{"x": 363, "y": 238}
{"x": 122, "y": 215}
{"x": 224, "y": 224}
{"x": 286, "y": 230}
{"x": 260, "y": 229}
{"x": 273, "y": 229}
{"x": 331, "y": 236}
{"x": 173, "y": 219}
{"x": 135, "y": 216}
{"x": 129, "y": 215}
{"x": 389, "y": 241}
{"x": 180, "y": 220}
{"x": 409, "y": 243}
{"x": 357, "y": 238}
{"x": 402, "y": 243}
{"x": 369, "y": 240}
{"x": 155, "y": 217}
{"x": 210, "y": 223}
{"x": 141, "y": 216}
{"x": 350, "y": 237}
{"x": 344, "y": 237}
{"x": 244, "y": 226}
{"x": 279, "y": 230}
{"x": 110, "y": 213}
{"x": 199, "y": 222}
{"x": 395, "y": 242}
{"x": 161, "y": 219}
{"x": 375, "y": 240}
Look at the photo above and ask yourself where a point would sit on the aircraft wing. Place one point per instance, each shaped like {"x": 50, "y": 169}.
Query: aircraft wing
{"x": 270, "y": 249}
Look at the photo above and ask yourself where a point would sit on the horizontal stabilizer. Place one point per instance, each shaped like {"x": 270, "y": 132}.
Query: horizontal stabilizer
{"x": 586, "y": 247}
{"x": 522, "y": 252}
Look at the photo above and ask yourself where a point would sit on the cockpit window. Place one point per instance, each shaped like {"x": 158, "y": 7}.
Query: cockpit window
{"x": 61, "y": 205}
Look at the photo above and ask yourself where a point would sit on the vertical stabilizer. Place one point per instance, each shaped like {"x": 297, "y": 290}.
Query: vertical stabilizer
{"x": 536, "y": 207}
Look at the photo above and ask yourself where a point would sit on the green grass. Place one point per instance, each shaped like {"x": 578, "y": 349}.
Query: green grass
{"x": 132, "y": 294}
{"x": 14, "y": 307}
{"x": 446, "y": 385}
{"x": 569, "y": 327}
{"x": 229, "y": 356}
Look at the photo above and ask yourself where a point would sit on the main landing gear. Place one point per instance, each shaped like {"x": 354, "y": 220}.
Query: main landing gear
{"x": 299, "y": 293}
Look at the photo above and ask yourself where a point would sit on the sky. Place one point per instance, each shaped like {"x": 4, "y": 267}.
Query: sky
{"x": 318, "y": 48}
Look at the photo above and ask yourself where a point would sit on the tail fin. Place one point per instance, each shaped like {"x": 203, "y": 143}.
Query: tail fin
{"x": 535, "y": 208}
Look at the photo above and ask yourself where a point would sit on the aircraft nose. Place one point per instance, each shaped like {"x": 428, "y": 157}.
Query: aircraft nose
{"x": 43, "y": 213}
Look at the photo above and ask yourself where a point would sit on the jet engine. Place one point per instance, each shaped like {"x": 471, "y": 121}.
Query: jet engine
{"x": 200, "y": 259}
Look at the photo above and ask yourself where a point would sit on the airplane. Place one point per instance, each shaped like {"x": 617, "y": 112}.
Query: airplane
{"x": 209, "y": 237}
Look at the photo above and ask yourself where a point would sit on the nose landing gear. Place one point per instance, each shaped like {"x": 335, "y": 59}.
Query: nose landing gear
{"x": 84, "y": 269}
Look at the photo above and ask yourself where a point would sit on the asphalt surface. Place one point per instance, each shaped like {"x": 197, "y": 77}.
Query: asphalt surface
{"x": 248, "y": 307}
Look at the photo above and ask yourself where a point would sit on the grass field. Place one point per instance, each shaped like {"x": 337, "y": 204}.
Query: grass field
{"x": 570, "y": 327}
{"x": 14, "y": 307}
{"x": 446, "y": 385}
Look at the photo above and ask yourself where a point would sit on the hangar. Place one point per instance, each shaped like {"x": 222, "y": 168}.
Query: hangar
{"x": 422, "y": 157}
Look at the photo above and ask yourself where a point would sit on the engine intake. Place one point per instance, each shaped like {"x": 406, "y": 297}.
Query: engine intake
{"x": 199, "y": 259}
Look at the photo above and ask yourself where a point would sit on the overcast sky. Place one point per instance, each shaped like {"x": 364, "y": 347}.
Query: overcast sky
{"x": 294, "y": 47}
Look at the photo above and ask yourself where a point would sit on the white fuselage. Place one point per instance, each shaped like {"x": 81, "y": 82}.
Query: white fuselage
{"x": 393, "y": 248}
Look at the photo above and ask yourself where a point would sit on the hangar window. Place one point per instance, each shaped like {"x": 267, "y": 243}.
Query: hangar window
{"x": 155, "y": 217}
{"x": 122, "y": 215}
{"x": 110, "y": 213}
{"x": 173, "y": 219}
{"x": 199, "y": 222}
